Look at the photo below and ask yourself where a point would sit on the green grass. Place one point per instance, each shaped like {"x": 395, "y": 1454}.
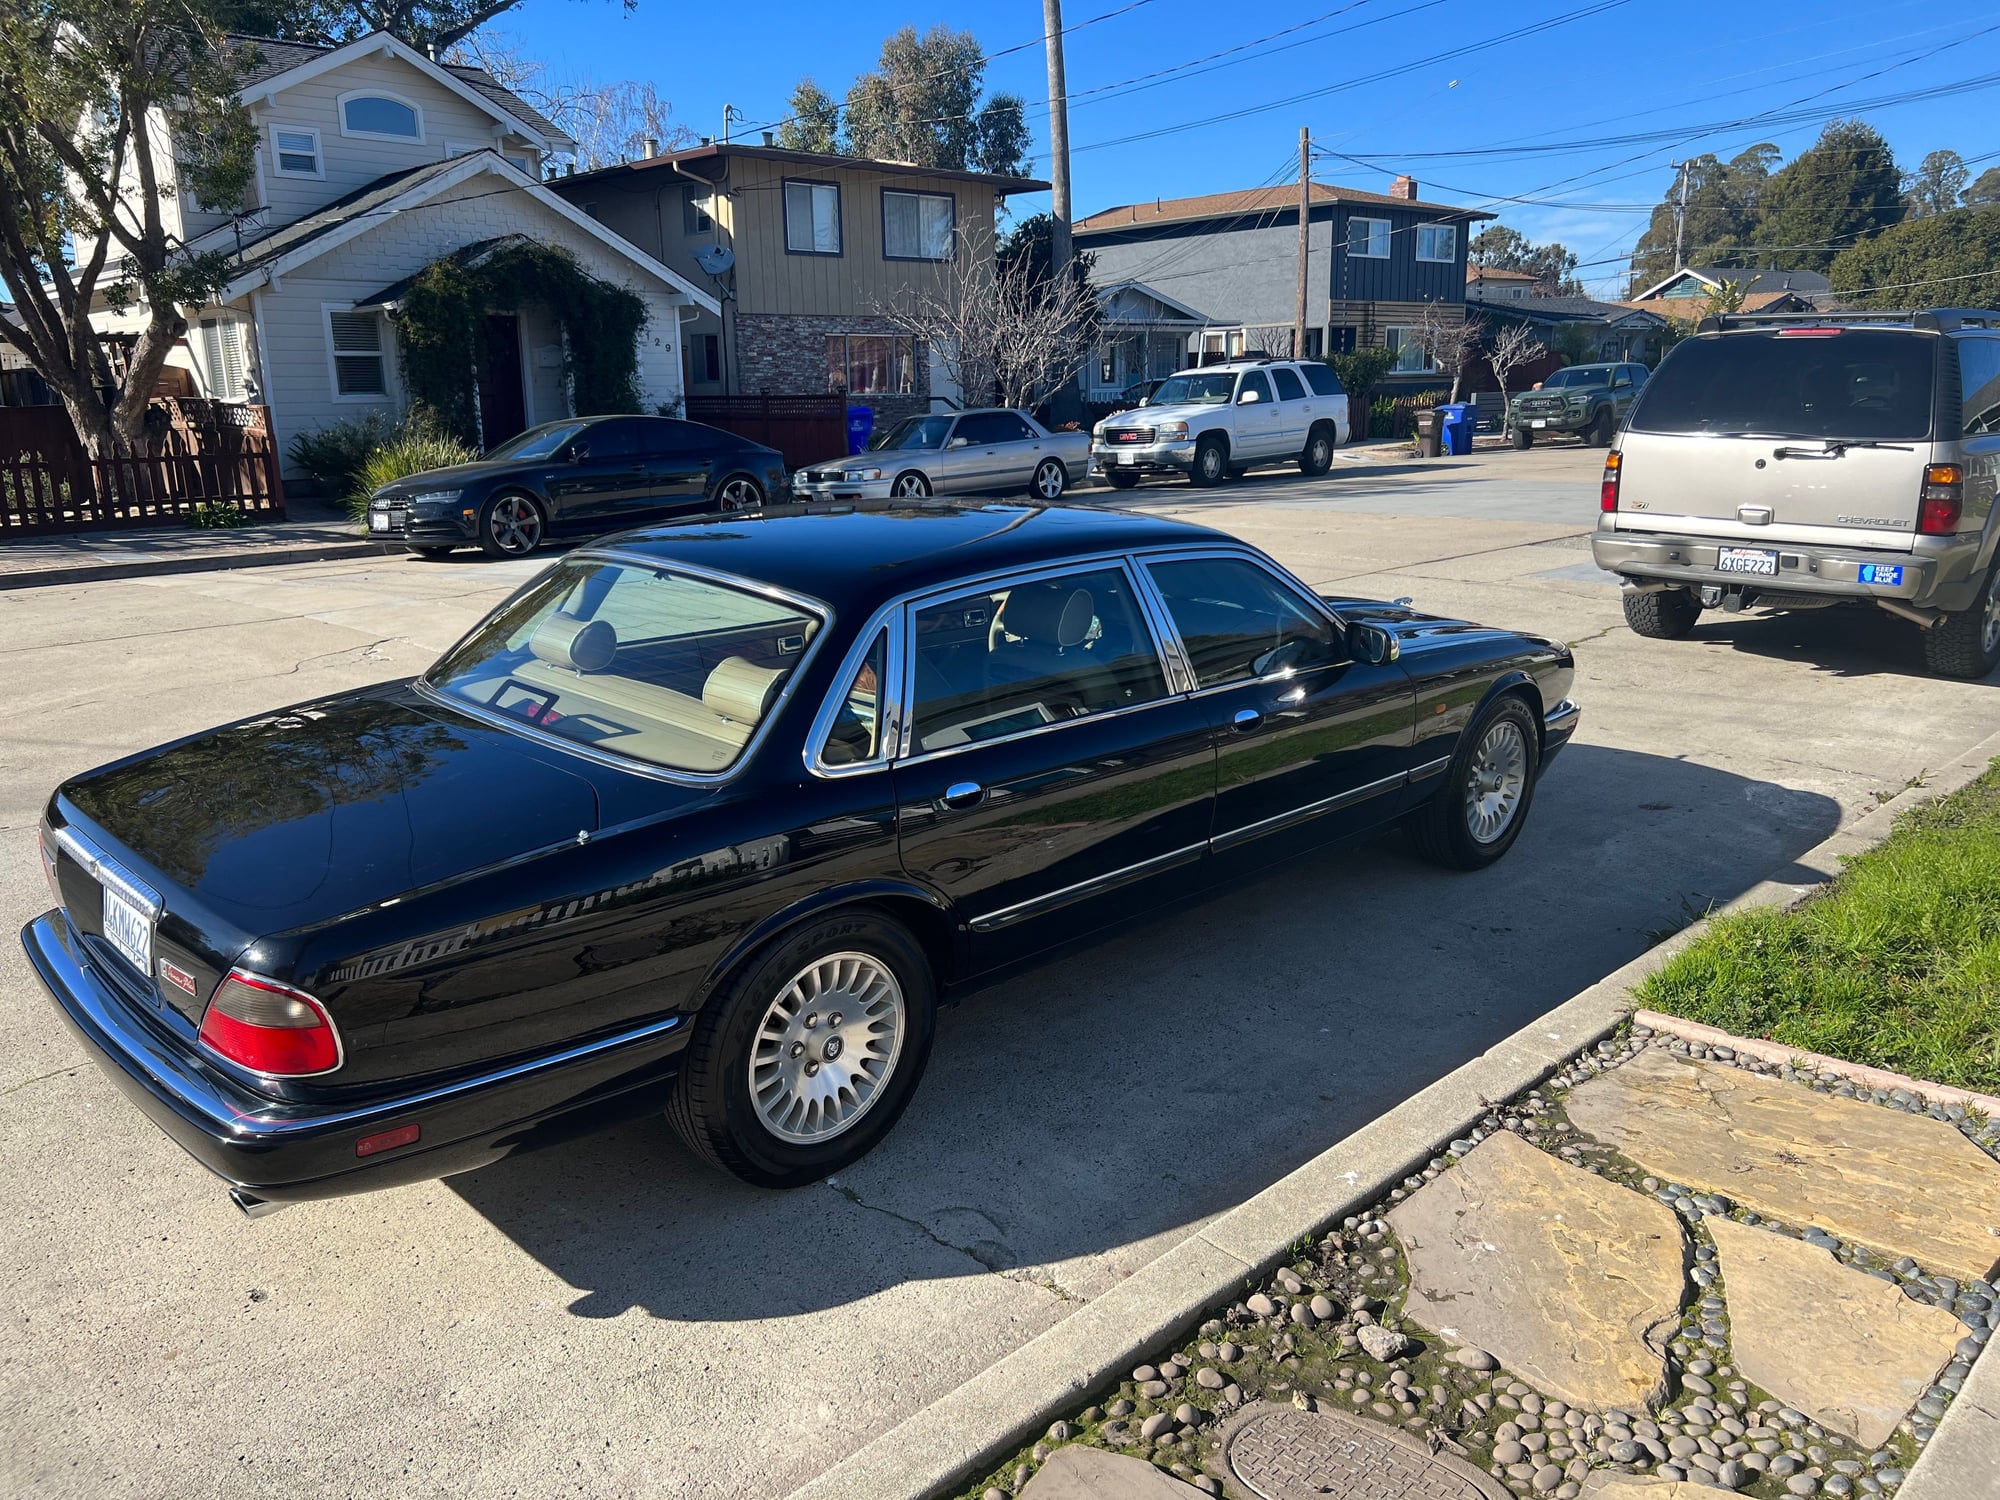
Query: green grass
{"x": 1896, "y": 965}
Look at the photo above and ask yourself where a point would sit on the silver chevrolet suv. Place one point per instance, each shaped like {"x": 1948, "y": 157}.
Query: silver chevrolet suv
{"x": 1799, "y": 462}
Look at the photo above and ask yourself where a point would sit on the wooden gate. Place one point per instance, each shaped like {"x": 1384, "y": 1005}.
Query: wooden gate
{"x": 806, "y": 429}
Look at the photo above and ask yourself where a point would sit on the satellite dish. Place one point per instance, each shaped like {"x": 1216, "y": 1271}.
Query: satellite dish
{"x": 715, "y": 259}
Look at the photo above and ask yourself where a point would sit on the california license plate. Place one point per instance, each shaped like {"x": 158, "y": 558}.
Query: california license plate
{"x": 1758, "y": 560}
{"x": 128, "y": 929}
{"x": 1538, "y": 422}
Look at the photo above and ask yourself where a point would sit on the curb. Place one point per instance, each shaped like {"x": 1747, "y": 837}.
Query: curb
{"x": 160, "y": 567}
{"x": 1007, "y": 1404}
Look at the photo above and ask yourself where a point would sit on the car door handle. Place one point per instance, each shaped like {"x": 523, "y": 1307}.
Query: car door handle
{"x": 1246, "y": 720}
{"x": 963, "y": 794}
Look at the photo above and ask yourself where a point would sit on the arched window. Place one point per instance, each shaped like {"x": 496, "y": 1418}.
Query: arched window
{"x": 380, "y": 115}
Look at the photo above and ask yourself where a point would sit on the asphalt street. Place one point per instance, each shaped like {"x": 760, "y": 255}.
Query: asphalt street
{"x": 610, "y": 1318}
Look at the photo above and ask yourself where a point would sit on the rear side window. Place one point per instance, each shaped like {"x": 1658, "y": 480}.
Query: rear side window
{"x": 1289, "y": 388}
{"x": 1323, "y": 380}
{"x": 1979, "y": 376}
{"x": 1856, "y": 383}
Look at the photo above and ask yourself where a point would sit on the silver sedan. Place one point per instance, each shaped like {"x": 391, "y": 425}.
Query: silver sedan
{"x": 991, "y": 450}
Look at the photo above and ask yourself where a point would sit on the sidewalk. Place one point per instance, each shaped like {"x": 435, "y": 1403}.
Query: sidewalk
{"x": 317, "y": 532}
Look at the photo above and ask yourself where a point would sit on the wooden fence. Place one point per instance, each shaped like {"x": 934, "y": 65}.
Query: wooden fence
{"x": 805, "y": 429}
{"x": 195, "y": 453}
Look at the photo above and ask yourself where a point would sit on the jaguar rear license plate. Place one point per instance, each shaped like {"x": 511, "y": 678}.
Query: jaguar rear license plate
{"x": 1747, "y": 560}
{"x": 128, "y": 929}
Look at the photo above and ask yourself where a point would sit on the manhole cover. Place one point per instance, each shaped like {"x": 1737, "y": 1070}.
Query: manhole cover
{"x": 1282, "y": 1453}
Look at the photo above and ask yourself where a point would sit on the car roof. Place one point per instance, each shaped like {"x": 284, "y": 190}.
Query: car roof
{"x": 860, "y": 557}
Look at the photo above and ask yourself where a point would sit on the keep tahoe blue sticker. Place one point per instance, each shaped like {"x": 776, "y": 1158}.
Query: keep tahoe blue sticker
{"x": 1882, "y": 573}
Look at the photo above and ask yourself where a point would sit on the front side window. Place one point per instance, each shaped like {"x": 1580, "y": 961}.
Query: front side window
{"x": 1437, "y": 242}
{"x": 380, "y": 114}
{"x": 667, "y": 668}
{"x": 856, "y": 735}
{"x": 537, "y": 442}
{"x": 1013, "y": 659}
{"x": 914, "y": 434}
{"x": 1238, "y": 622}
{"x": 1368, "y": 238}
{"x": 295, "y": 151}
{"x": 980, "y": 428}
{"x": 1854, "y": 383}
{"x": 360, "y": 364}
{"x": 812, "y": 218}
{"x": 1254, "y": 384}
{"x": 918, "y": 226}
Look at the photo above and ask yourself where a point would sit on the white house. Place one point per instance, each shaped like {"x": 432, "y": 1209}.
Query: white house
{"x": 373, "y": 162}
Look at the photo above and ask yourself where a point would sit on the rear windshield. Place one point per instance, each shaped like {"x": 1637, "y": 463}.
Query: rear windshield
{"x": 664, "y": 667}
{"x": 1855, "y": 383}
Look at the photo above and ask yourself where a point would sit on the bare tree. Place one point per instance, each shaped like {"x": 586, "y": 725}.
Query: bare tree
{"x": 1447, "y": 341}
{"x": 1002, "y": 332}
{"x": 608, "y": 121}
{"x": 1274, "y": 341}
{"x": 1513, "y": 346}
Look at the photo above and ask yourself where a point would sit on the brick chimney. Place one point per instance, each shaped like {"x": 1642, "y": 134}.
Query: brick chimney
{"x": 1404, "y": 187}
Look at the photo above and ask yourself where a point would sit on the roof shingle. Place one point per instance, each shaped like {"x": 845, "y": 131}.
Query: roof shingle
{"x": 1251, "y": 201}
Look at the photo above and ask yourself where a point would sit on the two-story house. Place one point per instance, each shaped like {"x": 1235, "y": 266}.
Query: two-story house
{"x": 1375, "y": 261}
{"x": 373, "y": 163}
{"x": 804, "y": 253}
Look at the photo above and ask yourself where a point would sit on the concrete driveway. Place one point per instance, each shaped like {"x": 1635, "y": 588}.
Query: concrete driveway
{"x": 606, "y": 1317}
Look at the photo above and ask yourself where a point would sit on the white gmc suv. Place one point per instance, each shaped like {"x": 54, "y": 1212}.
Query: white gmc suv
{"x": 1222, "y": 419}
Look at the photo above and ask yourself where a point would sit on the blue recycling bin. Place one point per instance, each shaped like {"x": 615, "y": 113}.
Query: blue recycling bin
{"x": 860, "y": 423}
{"x": 1457, "y": 427}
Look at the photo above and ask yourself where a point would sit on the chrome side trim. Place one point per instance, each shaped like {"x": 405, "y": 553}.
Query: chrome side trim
{"x": 1562, "y": 717}
{"x": 889, "y": 697}
{"x": 108, "y": 871}
{"x": 1105, "y": 717}
{"x": 1334, "y": 803}
{"x": 1035, "y": 906}
{"x": 1429, "y": 768}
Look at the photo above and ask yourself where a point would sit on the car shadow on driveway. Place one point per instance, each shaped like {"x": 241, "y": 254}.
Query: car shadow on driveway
{"x": 1845, "y": 641}
{"x": 1078, "y": 1119}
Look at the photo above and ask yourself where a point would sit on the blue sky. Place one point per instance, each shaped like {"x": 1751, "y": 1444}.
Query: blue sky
{"x": 1378, "y": 84}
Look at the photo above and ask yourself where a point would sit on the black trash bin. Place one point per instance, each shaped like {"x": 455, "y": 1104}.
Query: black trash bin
{"x": 1430, "y": 428}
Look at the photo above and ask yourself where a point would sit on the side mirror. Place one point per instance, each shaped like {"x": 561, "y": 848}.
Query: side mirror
{"x": 959, "y": 442}
{"x": 579, "y": 452}
{"x": 1374, "y": 645}
{"x": 1248, "y": 398}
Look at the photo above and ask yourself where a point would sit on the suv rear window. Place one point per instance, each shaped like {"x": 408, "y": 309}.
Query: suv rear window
{"x": 1856, "y": 383}
{"x": 1323, "y": 380}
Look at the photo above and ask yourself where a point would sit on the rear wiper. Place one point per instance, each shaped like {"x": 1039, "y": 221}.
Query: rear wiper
{"x": 1837, "y": 448}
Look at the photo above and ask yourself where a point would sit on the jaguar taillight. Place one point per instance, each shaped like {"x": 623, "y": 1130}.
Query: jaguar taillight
{"x": 269, "y": 1028}
{"x": 1607, "y": 493}
{"x": 1941, "y": 500}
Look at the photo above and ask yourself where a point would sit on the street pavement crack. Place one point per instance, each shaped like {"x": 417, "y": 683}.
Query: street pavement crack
{"x": 15, "y": 1088}
{"x": 1431, "y": 562}
{"x": 980, "y": 1254}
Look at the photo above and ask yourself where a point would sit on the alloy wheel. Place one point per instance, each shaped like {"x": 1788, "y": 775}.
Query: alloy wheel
{"x": 1989, "y": 637}
{"x": 1321, "y": 455}
{"x": 515, "y": 525}
{"x": 740, "y": 494}
{"x": 1498, "y": 778}
{"x": 1049, "y": 480}
{"x": 826, "y": 1047}
{"x": 911, "y": 487}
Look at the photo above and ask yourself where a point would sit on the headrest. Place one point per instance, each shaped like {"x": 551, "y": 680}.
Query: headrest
{"x": 1049, "y": 613}
{"x": 581, "y": 645}
{"x": 741, "y": 690}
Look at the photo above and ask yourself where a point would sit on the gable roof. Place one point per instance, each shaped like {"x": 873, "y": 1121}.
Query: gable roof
{"x": 1751, "y": 278}
{"x": 1569, "y": 310}
{"x": 354, "y": 214}
{"x": 1687, "y": 308}
{"x": 1251, "y": 201}
{"x": 1476, "y": 272}
{"x": 719, "y": 153}
{"x": 282, "y": 64}
{"x": 1181, "y": 312}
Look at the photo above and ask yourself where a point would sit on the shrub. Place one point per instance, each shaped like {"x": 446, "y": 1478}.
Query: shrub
{"x": 334, "y": 454}
{"x": 1361, "y": 370}
{"x": 411, "y": 451}
{"x": 214, "y": 515}
{"x": 1396, "y": 416}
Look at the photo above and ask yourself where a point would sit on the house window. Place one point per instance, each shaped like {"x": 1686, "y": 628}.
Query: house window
{"x": 354, "y": 345}
{"x": 222, "y": 357}
{"x": 381, "y": 115}
{"x": 705, "y": 355}
{"x": 812, "y": 218}
{"x": 1368, "y": 238}
{"x": 1437, "y": 242}
{"x": 695, "y": 215}
{"x": 871, "y": 364}
{"x": 1410, "y": 359}
{"x": 918, "y": 226}
{"x": 295, "y": 151}
{"x": 1315, "y": 343}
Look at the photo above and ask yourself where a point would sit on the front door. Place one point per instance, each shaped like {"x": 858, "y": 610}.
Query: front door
{"x": 1311, "y": 744}
{"x": 503, "y": 407}
{"x": 1051, "y": 772}
{"x": 601, "y": 477}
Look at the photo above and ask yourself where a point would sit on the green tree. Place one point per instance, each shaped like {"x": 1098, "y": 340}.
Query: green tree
{"x": 1506, "y": 249}
{"x": 1985, "y": 190}
{"x": 922, "y": 104}
{"x": 428, "y": 25}
{"x": 1942, "y": 258}
{"x": 1934, "y": 187}
{"x": 109, "y": 109}
{"x": 815, "y": 120}
{"x": 1724, "y": 203}
{"x": 1842, "y": 190}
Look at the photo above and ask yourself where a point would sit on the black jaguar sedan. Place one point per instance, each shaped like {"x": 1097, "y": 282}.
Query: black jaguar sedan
{"x": 711, "y": 817}
{"x": 584, "y": 476}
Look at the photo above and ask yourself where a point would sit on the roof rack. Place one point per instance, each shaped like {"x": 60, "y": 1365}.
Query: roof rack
{"x": 1931, "y": 319}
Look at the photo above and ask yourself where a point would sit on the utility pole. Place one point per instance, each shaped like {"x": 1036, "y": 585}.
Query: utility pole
{"x": 1680, "y": 215}
{"x": 1064, "y": 403}
{"x": 1305, "y": 239}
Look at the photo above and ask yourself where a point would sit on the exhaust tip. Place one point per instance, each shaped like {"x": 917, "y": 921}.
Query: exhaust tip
{"x": 254, "y": 1207}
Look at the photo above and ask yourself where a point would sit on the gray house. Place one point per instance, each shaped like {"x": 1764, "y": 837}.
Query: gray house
{"x": 1376, "y": 260}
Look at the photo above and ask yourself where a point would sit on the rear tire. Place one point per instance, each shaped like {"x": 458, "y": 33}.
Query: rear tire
{"x": 1211, "y": 464}
{"x": 1474, "y": 818}
{"x": 1522, "y": 439}
{"x": 1317, "y": 456}
{"x": 1120, "y": 479}
{"x": 1663, "y": 614}
{"x": 721, "y": 1113}
{"x": 1966, "y": 643}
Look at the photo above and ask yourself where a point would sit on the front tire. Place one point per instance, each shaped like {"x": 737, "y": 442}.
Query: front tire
{"x": 911, "y": 486}
{"x": 1966, "y": 643}
{"x": 1317, "y": 457}
{"x": 1661, "y": 614}
{"x": 739, "y": 492}
{"x": 1522, "y": 439}
{"x": 1480, "y": 810}
{"x": 1211, "y": 464}
{"x": 804, "y": 1058}
{"x": 1603, "y": 427}
{"x": 510, "y": 526}
{"x": 1050, "y": 480}
{"x": 1120, "y": 479}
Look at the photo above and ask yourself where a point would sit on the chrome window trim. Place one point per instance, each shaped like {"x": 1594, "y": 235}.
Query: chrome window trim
{"x": 1278, "y": 821}
{"x": 1146, "y": 558}
{"x": 889, "y": 704}
{"x": 107, "y": 871}
{"x": 816, "y": 607}
{"x": 1012, "y": 578}
{"x": 1036, "y": 906}
{"x": 924, "y": 757}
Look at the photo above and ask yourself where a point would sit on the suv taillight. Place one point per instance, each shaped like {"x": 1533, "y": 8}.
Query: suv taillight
{"x": 269, "y": 1028}
{"x": 1607, "y": 494}
{"x": 1942, "y": 500}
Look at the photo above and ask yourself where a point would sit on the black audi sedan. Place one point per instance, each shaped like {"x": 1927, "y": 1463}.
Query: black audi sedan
{"x": 709, "y": 818}
{"x": 583, "y": 476}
